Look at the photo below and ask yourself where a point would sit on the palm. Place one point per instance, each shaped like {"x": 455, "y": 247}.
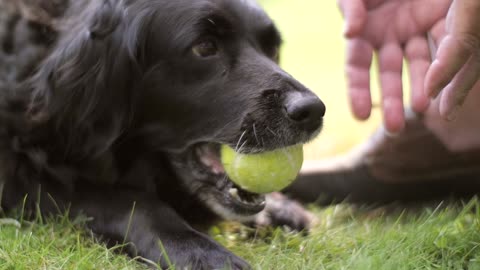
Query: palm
{"x": 399, "y": 21}
{"x": 395, "y": 29}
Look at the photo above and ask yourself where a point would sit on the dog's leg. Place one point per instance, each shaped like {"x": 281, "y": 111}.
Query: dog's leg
{"x": 280, "y": 211}
{"x": 150, "y": 226}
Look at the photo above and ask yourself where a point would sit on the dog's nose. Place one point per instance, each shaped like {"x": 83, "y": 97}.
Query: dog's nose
{"x": 305, "y": 109}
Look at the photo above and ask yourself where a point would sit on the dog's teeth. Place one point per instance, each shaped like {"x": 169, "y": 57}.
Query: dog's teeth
{"x": 246, "y": 199}
{"x": 234, "y": 193}
{"x": 249, "y": 200}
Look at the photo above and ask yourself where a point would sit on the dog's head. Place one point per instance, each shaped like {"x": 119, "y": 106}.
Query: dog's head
{"x": 189, "y": 75}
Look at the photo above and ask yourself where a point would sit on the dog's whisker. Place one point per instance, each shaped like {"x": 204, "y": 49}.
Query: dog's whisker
{"x": 255, "y": 133}
{"x": 271, "y": 131}
{"x": 226, "y": 126}
{"x": 241, "y": 147}
{"x": 240, "y": 140}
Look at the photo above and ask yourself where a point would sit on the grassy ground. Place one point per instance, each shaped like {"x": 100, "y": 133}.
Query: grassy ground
{"x": 427, "y": 237}
{"x": 56, "y": 244}
{"x": 348, "y": 238}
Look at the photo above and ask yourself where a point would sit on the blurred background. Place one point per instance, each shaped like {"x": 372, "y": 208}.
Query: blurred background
{"x": 313, "y": 52}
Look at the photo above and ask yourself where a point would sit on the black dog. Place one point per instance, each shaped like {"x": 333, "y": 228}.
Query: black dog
{"x": 116, "y": 109}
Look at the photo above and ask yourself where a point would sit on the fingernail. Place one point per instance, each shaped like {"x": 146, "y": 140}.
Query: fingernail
{"x": 346, "y": 30}
{"x": 391, "y": 134}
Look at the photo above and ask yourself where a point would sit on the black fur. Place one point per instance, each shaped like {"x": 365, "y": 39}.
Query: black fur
{"x": 105, "y": 105}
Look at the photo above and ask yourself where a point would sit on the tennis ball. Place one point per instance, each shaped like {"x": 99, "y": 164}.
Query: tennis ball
{"x": 263, "y": 172}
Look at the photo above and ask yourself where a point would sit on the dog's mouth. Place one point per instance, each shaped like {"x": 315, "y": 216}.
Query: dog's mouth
{"x": 242, "y": 202}
{"x": 208, "y": 180}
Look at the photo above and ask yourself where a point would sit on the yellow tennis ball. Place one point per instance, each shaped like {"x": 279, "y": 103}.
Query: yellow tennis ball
{"x": 263, "y": 172}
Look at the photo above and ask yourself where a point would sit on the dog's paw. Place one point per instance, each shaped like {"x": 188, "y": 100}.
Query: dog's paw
{"x": 281, "y": 211}
{"x": 202, "y": 253}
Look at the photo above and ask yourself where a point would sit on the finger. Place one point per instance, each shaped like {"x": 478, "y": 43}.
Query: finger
{"x": 390, "y": 64}
{"x": 417, "y": 53}
{"x": 438, "y": 32}
{"x": 357, "y": 69}
{"x": 425, "y": 15}
{"x": 449, "y": 60}
{"x": 457, "y": 90}
{"x": 355, "y": 15}
{"x": 450, "y": 17}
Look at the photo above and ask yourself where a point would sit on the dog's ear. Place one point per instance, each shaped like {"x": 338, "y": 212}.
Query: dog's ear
{"x": 88, "y": 70}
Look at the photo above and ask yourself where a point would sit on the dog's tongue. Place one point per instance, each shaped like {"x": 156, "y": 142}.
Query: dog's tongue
{"x": 209, "y": 157}
{"x": 263, "y": 172}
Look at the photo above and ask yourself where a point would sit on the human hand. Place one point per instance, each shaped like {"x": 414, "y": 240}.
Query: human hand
{"x": 394, "y": 29}
{"x": 456, "y": 68}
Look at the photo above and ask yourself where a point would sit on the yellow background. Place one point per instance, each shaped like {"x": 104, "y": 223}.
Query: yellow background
{"x": 313, "y": 52}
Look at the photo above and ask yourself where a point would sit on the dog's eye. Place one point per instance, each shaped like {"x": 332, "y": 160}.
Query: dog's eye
{"x": 205, "y": 48}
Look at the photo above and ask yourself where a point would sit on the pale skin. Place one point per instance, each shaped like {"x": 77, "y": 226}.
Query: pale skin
{"x": 397, "y": 30}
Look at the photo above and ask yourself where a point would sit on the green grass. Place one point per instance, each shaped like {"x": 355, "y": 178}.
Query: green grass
{"x": 426, "y": 237}
{"x": 443, "y": 237}
{"x": 345, "y": 237}
{"x": 56, "y": 244}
